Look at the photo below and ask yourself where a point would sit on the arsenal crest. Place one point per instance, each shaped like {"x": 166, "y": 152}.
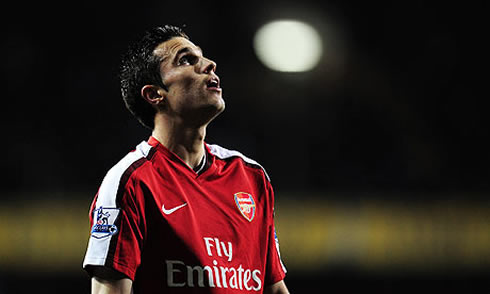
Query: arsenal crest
{"x": 246, "y": 205}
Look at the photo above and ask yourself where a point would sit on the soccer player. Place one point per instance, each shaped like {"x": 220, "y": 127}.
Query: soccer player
{"x": 178, "y": 215}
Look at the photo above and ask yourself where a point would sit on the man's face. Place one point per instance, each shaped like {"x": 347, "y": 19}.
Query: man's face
{"x": 194, "y": 91}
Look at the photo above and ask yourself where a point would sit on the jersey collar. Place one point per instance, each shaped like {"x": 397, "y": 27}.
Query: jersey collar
{"x": 204, "y": 167}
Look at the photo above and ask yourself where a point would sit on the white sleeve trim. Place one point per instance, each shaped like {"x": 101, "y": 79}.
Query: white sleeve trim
{"x": 224, "y": 153}
{"x": 98, "y": 248}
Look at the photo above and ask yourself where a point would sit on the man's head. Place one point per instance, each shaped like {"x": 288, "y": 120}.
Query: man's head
{"x": 165, "y": 72}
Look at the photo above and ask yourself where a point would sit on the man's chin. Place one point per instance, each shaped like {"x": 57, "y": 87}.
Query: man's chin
{"x": 216, "y": 108}
{"x": 221, "y": 105}
{"x": 207, "y": 113}
{"x": 218, "y": 103}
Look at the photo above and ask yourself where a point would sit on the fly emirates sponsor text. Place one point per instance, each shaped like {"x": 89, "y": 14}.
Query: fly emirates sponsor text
{"x": 181, "y": 275}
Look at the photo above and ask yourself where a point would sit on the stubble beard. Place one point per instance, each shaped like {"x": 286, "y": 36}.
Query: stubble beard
{"x": 211, "y": 111}
{"x": 203, "y": 114}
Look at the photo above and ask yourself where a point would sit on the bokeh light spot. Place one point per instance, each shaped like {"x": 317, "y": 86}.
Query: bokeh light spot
{"x": 288, "y": 46}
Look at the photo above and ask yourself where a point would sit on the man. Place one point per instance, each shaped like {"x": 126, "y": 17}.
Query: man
{"x": 177, "y": 215}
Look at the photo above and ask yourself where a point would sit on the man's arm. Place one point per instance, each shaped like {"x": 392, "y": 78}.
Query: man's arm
{"x": 277, "y": 288}
{"x": 101, "y": 286}
{"x": 108, "y": 281}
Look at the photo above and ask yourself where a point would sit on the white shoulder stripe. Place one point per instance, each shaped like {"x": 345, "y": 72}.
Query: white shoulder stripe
{"x": 224, "y": 153}
{"x": 110, "y": 184}
{"x": 98, "y": 248}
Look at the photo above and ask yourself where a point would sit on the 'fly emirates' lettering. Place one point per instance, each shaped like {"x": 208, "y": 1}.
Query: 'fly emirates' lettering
{"x": 181, "y": 275}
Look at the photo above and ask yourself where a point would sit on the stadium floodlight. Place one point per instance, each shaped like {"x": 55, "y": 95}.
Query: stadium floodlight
{"x": 288, "y": 46}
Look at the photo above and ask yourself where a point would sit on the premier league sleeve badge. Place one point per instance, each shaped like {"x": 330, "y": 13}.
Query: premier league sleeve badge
{"x": 104, "y": 219}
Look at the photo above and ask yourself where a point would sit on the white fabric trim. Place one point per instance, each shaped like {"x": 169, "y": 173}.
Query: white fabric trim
{"x": 97, "y": 249}
{"x": 279, "y": 252}
{"x": 224, "y": 153}
{"x": 204, "y": 160}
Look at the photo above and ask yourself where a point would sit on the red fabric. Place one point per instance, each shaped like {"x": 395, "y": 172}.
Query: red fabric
{"x": 205, "y": 246}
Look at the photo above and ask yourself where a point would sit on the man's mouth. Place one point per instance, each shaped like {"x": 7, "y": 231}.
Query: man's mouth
{"x": 213, "y": 84}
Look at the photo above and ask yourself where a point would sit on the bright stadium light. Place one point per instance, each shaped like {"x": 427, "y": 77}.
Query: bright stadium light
{"x": 288, "y": 46}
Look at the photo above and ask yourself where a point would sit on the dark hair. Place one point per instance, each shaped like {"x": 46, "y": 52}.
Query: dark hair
{"x": 139, "y": 67}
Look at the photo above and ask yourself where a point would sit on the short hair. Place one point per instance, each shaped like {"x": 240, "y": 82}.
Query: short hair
{"x": 140, "y": 67}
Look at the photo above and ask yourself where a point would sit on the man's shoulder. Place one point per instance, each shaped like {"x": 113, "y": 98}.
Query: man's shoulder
{"x": 128, "y": 164}
{"x": 112, "y": 189}
{"x": 228, "y": 154}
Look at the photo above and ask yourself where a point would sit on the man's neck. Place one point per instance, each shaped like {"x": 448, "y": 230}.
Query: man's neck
{"x": 185, "y": 141}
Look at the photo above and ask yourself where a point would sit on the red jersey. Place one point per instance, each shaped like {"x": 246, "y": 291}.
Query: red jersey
{"x": 171, "y": 230}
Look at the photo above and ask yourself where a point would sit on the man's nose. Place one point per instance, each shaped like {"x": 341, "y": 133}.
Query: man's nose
{"x": 208, "y": 66}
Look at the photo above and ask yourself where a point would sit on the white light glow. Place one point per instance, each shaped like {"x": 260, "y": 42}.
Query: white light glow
{"x": 288, "y": 46}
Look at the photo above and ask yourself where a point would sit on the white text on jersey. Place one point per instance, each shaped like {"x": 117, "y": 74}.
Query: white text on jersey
{"x": 220, "y": 277}
{"x": 219, "y": 247}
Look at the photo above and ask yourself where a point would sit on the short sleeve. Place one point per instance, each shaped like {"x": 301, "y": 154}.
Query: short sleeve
{"x": 275, "y": 269}
{"x": 117, "y": 225}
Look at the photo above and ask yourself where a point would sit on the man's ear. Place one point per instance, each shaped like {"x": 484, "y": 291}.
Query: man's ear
{"x": 153, "y": 94}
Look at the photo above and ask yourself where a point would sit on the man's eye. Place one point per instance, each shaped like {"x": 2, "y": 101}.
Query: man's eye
{"x": 187, "y": 60}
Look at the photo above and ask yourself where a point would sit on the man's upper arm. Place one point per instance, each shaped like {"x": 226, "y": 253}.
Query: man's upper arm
{"x": 118, "y": 229}
{"x": 277, "y": 288}
{"x": 109, "y": 281}
{"x": 275, "y": 269}
{"x": 121, "y": 286}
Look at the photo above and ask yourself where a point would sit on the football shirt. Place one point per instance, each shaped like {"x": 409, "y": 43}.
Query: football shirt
{"x": 172, "y": 230}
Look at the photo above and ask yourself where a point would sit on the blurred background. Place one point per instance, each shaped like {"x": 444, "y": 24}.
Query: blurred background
{"x": 378, "y": 153}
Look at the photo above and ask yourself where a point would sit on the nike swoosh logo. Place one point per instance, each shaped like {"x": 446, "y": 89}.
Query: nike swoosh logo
{"x": 172, "y": 210}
